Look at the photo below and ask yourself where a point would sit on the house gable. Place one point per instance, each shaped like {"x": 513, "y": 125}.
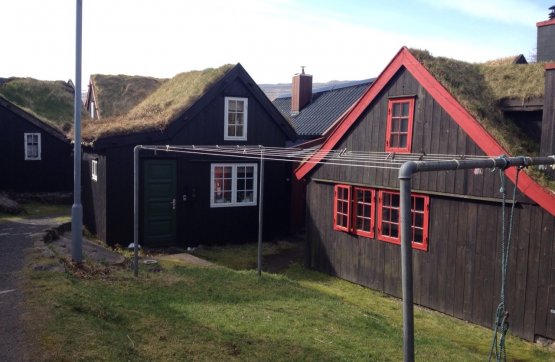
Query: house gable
{"x": 405, "y": 61}
{"x": 177, "y": 123}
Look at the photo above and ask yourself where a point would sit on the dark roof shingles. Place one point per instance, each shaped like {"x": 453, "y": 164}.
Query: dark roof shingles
{"x": 326, "y": 107}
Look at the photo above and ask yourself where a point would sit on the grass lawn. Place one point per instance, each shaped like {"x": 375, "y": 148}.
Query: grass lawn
{"x": 38, "y": 210}
{"x": 177, "y": 312}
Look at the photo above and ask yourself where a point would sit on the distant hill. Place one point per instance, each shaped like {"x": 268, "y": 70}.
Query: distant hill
{"x": 273, "y": 91}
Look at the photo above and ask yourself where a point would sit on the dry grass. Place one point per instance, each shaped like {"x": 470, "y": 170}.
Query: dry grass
{"x": 118, "y": 94}
{"x": 155, "y": 112}
{"x": 49, "y": 101}
{"x": 503, "y": 61}
{"x": 515, "y": 81}
{"x": 480, "y": 88}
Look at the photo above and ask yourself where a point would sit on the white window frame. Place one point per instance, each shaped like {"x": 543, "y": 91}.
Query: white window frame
{"x": 243, "y": 137}
{"x": 26, "y": 145}
{"x": 234, "y": 202}
{"x": 94, "y": 170}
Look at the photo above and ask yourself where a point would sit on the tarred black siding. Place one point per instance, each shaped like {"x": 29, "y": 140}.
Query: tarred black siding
{"x": 197, "y": 222}
{"x": 460, "y": 273}
{"x": 53, "y": 172}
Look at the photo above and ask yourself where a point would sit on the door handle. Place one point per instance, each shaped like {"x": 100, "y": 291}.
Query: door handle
{"x": 173, "y": 204}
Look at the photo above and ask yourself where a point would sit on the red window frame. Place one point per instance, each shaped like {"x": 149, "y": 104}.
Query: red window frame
{"x": 389, "y": 214}
{"x": 342, "y": 208}
{"x": 363, "y": 204}
{"x": 394, "y": 122}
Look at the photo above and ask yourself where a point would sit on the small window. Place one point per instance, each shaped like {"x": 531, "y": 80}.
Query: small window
{"x": 236, "y": 111}
{"x": 342, "y": 208}
{"x": 32, "y": 146}
{"x": 353, "y": 210}
{"x": 94, "y": 170}
{"x": 388, "y": 219}
{"x": 92, "y": 109}
{"x": 233, "y": 185}
{"x": 363, "y": 212}
{"x": 400, "y": 119}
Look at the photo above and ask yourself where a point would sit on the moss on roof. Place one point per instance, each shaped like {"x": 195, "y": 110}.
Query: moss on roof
{"x": 480, "y": 88}
{"x": 118, "y": 94}
{"x": 49, "y": 101}
{"x": 163, "y": 105}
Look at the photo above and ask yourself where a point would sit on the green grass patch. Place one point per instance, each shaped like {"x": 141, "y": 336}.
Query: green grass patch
{"x": 60, "y": 213}
{"x": 188, "y": 313}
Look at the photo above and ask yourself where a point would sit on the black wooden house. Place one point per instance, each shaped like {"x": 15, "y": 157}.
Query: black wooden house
{"x": 423, "y": 105}
{"x": 188, "y": 199}
{"x": 35, "y": 154}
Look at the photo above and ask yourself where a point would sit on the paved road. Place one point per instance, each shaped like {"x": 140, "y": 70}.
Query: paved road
{"x": 15, "y": 237}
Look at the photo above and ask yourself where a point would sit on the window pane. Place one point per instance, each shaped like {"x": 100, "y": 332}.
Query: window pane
{"x": 419, "y": 203}
{"x": 232, "y": 105}
{"x": 239, "y": 106}
{"x": 365, "y": 211}
{"x": 366, "y": 225}
{"x": 394, "y": 215}
{"x": 405, "y": 112}
{"x": 386, "y": 214}
{"x": 385, "y": 229}
{"x": 418, "y": 219}
{"x": 227, "y": 196}
{"x": 395, "y": 200}
{"x": 396, "y": 109}
{"x": 418, "y": 236}
{"x": 404, "y": 124}
{"x": 231, "y": 130}
{"x": 394, "y": 231}
{"x": 386, "y": 198}
{"x": 403, "y": 140}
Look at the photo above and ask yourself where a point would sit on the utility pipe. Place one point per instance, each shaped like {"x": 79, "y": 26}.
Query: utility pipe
{"x": 260, "y": 212}
{"x": 405, "y": 174}
{"x": 77, "y": 208}
{"x": 136, "y": 150}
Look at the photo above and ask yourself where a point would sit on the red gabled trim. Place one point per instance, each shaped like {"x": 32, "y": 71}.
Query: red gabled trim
{"x": 549, "y": 66}
{"x": 456, "y": 111}
{"x": 353, "y": 115}
{"x": 545, "y": 23}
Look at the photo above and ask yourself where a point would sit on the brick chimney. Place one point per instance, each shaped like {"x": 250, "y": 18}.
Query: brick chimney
{"x": 547, "y": 146}
{"x": 546, "y": 38}
{"x": 301, "y": 91}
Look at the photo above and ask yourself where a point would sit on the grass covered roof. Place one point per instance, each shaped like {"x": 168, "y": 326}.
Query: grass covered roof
{"x": 164, "y": 104}
{"x": 118, "y": 94}
{"x": 480, "y": 88}
{"x": 49, "y": 101}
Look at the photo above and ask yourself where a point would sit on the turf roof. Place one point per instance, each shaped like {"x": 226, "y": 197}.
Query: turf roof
{"x": 159, "y": 108}
{"x": 49, "y": 101}
{"x": 118, "y": 94}
{"x": 481, "y": 87}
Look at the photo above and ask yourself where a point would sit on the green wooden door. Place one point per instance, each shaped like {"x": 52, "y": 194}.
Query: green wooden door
{"x": 159, "y": 202}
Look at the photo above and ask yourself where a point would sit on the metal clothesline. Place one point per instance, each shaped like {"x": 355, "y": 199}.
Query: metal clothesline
{"x": 383, "y": 160}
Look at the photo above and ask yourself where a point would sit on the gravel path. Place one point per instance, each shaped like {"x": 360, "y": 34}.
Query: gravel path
{"x": 15, "y": 237}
